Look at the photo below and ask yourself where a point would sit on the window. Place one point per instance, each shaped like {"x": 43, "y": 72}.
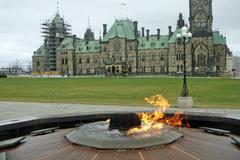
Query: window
{"x": 181, "y": 68}
{"x": 152, "y": 68}
{"x": 177, "y": 68}
{"x": 38, "y": 63}
{"x": 152, "y": 44}
{"x": 153, "y": 57}
{"x": 162, "y": 57}
{"x": 87, "y": 48}
{"x": 162, "y": 68}
{"x": 62, "y": 61}
{"x": 66, "y": 61}
{"x": 88, "y": 61}
{"x": 143, "y": 69}
{"x": 80, "y": 61}
{"x": 104, "y": 49}
{"x": 143, "y": 58}
{"x": 201, "y": 59}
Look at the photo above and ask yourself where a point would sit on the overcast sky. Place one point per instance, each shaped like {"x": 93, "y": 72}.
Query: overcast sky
{"x": 20, "y": 20}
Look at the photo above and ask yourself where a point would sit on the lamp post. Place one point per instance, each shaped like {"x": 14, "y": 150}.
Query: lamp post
{"x": 184, "y": 101}
{"x": 183, "y": 36}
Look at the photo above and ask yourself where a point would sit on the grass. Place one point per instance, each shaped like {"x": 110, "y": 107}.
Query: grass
{"x": 206, "y": 92}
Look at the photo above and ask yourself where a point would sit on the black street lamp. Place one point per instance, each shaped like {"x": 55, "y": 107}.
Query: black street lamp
{"x": 183, "y": 36}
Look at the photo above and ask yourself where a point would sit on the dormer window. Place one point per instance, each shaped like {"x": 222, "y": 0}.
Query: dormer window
{"x": 152, "y": 44}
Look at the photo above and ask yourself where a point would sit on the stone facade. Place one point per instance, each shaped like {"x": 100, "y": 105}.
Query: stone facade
{"x": 123, "y": 51}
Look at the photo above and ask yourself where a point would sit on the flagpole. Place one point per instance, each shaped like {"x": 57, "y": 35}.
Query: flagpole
{"x": 122, "y": 7}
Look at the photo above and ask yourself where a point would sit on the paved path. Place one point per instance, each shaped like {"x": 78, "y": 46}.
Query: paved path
{"x": 12, "y": 111}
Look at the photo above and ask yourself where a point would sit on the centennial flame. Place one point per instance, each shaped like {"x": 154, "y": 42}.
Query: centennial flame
{"x": 157, "y": 119}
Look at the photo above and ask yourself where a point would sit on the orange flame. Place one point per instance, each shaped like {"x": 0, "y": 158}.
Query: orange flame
{"x": 157, "y": 119}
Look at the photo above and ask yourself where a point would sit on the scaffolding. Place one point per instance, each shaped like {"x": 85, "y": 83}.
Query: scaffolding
{"x": 54, "y": 31}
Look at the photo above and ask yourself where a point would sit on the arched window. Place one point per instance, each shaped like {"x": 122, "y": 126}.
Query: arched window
{"x": 178, "y": 68}
{"x": 153, "y": 57}
{"x": 201, "y": 59}
{"x": 143, "y": 58}
{"x": 181, "y": 68}
{"x": 182, "y": 57}
{"x": 66, "y": 61}
{"x": 162, "y": 57}
{"x": 130, "y": 58}
{"x": 88, "y": 61}
{"x": 80, "y": 61}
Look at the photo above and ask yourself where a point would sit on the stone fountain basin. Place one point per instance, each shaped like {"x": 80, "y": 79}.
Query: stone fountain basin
{"x": 97, "y": 135}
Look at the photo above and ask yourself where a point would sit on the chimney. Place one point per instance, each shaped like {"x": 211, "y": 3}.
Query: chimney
{"x": 74, "y": 39}
{"x": 104, "y": 30}
{"x": 170, "y": 31}
{"x": 143, "y": 31}
{"x": 158, "y": 34}
{"x": 147, "y": 34}
{"x": 135, "y": 26}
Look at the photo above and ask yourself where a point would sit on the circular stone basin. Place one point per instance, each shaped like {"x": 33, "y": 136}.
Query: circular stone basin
{"x": 98, "y": 135}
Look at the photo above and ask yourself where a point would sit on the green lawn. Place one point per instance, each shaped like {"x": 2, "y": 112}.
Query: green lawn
{"x": 206, "y": 92}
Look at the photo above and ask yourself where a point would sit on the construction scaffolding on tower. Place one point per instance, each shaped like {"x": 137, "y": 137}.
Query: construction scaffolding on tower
{"x": 54, "y": 31}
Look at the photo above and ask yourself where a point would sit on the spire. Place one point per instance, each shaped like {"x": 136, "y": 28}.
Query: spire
{"x": 89, "y": 22}
{"x": 123, "y": 5}
{"x": 57, "y": 8}
{"x": 180, "y": 22}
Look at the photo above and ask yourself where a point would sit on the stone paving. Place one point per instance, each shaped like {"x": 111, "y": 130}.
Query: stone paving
{"x": 13, "y": 111}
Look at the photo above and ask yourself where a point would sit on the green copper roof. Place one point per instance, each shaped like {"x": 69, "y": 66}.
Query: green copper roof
{"x": 218, "y": 39}
{"x": 153, "y": 42}
{"x": 40, "y": 52}
{"x": 122, "y": 29}
{"x": 67, "y": 43}
{"x": 90, "y": 47}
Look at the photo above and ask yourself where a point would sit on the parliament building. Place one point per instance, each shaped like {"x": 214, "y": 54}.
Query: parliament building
{"x": 127, "y": 49}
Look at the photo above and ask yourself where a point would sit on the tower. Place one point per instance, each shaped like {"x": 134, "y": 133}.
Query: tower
{"x": 54, "y": 31}
{"x": 89, "y": 35}
{"x": 180, "y": 22}
{"x": 201, "y": 17}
